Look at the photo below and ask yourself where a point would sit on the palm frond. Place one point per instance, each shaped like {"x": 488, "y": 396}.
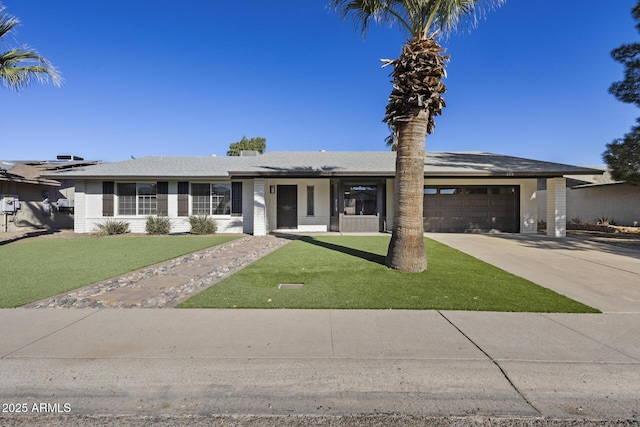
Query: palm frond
{"x": 7, "y": 22}
{"x": 455, "y": 15}
{"x": 19, "y": 67}
{"x": 419, "y": 18}
{"x": 362, "y": 12}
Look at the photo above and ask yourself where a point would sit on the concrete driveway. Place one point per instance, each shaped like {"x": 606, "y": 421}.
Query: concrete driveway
{"x": 602, "y": 276}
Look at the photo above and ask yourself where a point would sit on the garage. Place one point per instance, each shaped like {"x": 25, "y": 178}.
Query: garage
{"x": 460, "y": 209}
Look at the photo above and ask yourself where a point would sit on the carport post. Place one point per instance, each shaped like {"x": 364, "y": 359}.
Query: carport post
{"x": 556, "y": 207}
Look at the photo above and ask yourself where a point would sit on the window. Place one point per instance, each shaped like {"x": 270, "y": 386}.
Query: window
{"x": 126, "y": 199}
{"x": 310, "y": 197}
{"x": 137, "y": 199}
{"x": 449, "y": 191}
{"x": 477, "y": 190}
{"x": 211, "y": 199}
{"x": 430, "y": 190}
{"x": 360, "y": 200}
{"x": 200, "y": 199}
{"x": 221, "y": 199}
{"x": 147, "y": 202}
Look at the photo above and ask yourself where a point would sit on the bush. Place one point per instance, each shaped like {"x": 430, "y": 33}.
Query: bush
{"x": 202, "y": 224}
{"x": 158, "y": 225}
{"x": 111, "y": 227}
{"x": 606, "y": 221}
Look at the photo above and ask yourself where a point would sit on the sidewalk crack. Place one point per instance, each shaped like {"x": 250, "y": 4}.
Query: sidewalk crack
{"x": 333, "y": 352}
{"x": 545, "y": 315}
{"x": 50, "y": 333}
{"x": 495, "y": 362}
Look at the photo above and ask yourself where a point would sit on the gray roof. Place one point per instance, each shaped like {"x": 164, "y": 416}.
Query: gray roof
{"x": 160, "y": 167}
{"x": 321, "y": 163}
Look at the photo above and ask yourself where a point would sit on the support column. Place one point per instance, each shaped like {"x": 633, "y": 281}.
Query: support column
{"x": 556, "y": 207}
{"x": 259, "y": 208}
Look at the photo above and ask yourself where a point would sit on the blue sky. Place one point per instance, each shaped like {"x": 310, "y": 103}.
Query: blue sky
{"x": 162, "y": 77}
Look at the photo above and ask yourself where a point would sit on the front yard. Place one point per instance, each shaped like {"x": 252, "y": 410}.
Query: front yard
{"x": 348, "y": 272}
{"x": 33, "y": 270}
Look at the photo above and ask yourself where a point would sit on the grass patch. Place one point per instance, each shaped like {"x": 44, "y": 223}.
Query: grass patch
{"x": 42, "y": 268}
{"x": 349, "y": 273}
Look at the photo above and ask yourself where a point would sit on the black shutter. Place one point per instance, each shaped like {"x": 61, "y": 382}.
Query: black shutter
{"x": 162, "y": 196}
{"x": 107, "y": 198}
{"x": 183, "y": 199}
{"x": 236, "y": 198}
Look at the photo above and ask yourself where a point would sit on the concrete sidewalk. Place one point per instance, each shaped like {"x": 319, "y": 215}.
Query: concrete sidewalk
{"x": 323, "y": 362}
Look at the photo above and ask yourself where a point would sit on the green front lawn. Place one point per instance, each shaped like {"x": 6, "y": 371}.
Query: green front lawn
{"x": 349, "y": 272}
{"x": 34, "y": 270}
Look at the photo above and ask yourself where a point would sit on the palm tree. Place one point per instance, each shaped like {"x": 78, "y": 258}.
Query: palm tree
{"x": 415, "y": 100}
{"x": 19, "y": 67}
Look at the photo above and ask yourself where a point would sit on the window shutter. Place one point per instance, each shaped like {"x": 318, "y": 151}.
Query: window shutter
{"x": 162, "y": 196}
{"x": 107, "y": 198}
{"x": 183, "y": 199}
{"x": 236, "y": 198}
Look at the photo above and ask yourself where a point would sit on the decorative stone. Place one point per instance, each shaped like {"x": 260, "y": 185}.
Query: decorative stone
{"x": 234, "y": 256}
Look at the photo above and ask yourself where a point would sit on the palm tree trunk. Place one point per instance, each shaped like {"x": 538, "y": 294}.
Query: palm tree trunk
{"x": 406, "y": 250}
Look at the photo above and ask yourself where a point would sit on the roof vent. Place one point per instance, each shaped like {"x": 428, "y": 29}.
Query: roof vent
{"x": 5, "y": 165}
{"x": 68, "y": 157}
{"x": 249, "y": 153}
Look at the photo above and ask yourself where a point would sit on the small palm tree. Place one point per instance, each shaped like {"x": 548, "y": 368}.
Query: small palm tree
{"x": 19, "y": 67}
{"x": 415, "y": 100}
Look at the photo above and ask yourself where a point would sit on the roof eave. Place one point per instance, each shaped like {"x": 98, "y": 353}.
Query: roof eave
{"x": 139, "y": 177}
{"x": 48, "y": 182}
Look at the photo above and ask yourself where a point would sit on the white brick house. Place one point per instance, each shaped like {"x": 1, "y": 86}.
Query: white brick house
{"x": 319, "y": 191}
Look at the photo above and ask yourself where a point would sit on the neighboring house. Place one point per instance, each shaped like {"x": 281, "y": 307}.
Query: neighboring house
{"x": 599, "y": 198}
{"x": 318, "y": 191}
{"x": 29, "y": 201}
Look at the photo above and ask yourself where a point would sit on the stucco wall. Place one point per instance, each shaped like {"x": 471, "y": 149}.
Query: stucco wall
{"x": 89, "y": 205}
{"x": 618, "y": 202}
{"x": 33, "y": 214}
{"x": 320, "y": 220}
{"x": 89, "y": 210}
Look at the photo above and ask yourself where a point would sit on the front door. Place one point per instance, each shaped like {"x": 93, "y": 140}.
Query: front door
{"x": 287, "y": 206}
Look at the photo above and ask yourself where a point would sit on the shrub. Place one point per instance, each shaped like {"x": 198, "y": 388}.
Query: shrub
{"x": 606, "y": 221}
{"x": 111, "y": 227}
{"x": 158, "y": 225}
{"x": 202, "y": 224}
{"x": 576, "y": 221}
